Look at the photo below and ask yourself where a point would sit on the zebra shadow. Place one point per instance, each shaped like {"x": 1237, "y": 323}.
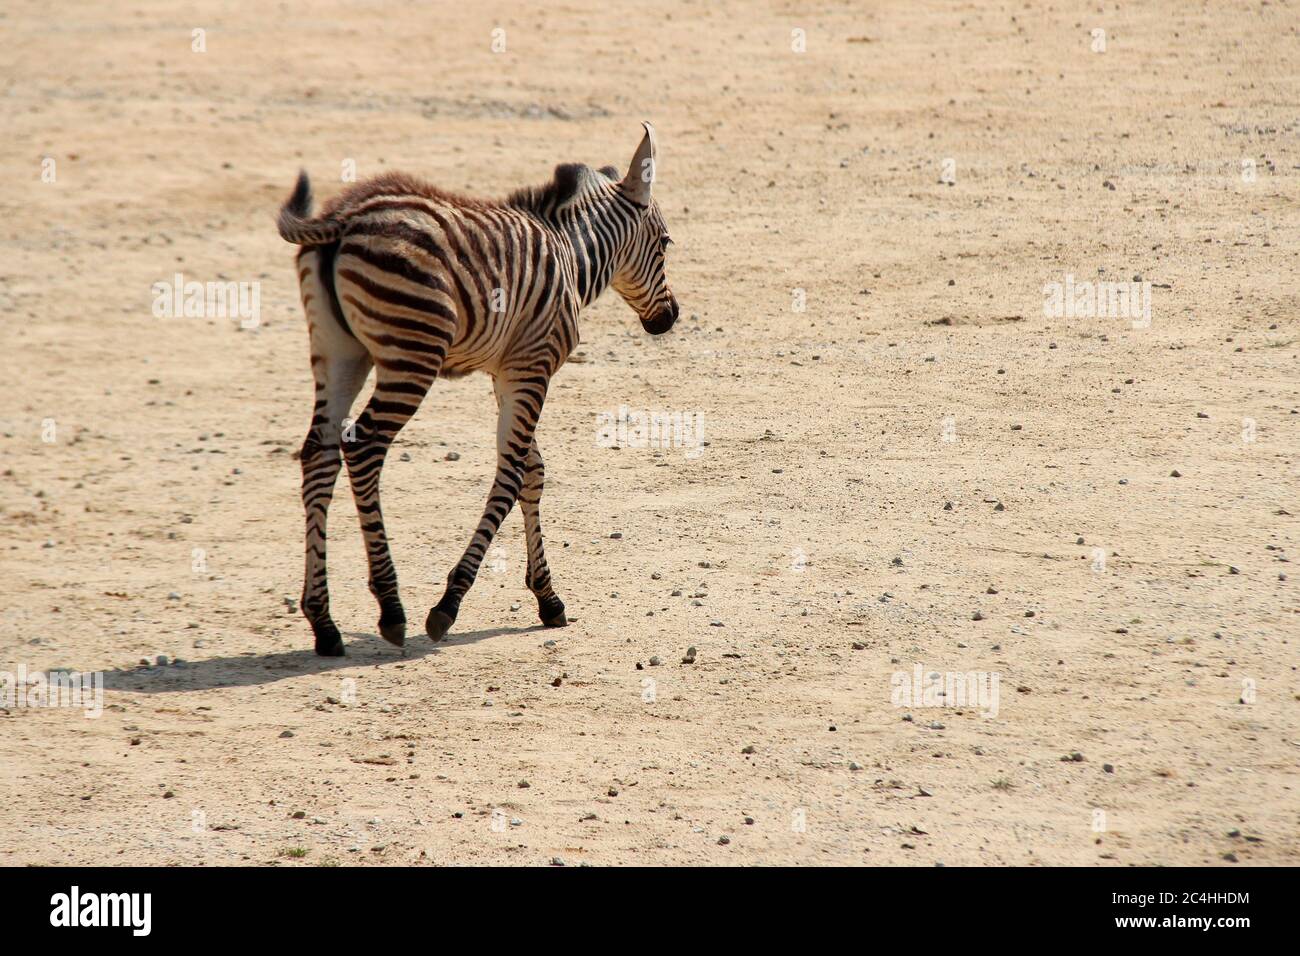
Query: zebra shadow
{"x": 245, "y": 670}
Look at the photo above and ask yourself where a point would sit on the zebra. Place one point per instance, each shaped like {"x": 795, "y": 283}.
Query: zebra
{"x": 419, "y": 283}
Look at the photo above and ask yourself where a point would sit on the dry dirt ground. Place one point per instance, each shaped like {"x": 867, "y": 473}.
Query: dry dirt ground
{"x": 1141, "y": 621}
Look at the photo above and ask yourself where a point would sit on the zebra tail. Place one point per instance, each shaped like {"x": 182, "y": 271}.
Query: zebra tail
{"x": 295, "y": 222}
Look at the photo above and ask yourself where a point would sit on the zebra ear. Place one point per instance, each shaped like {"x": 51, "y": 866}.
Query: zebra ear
{"x": 641, "y": 174}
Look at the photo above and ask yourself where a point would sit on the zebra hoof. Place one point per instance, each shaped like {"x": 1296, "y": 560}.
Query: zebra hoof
{"x": 329, "y": 642}
{"x": 551, "y": 611}
{"x": 392, "y": 623}
{"x": 437, "y": 624}
{"x": 394, "y": 632}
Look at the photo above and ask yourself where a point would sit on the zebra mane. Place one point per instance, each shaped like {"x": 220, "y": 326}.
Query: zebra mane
{"x": 572, "y": 181}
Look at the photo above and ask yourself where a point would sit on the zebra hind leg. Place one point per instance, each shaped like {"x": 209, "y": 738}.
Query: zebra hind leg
{"x": 337, "y": 384}
{"x": 394, "y": 401}
{"x": 549, "y": 607}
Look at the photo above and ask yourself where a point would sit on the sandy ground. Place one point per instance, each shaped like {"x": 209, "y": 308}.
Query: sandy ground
{"x": 150, "y": 492}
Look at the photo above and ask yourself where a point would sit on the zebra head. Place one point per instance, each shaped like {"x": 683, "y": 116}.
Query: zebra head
{"x": 639, "y": 271}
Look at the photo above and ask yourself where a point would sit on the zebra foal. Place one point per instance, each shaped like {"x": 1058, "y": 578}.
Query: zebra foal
{"x": 420, "y": 283}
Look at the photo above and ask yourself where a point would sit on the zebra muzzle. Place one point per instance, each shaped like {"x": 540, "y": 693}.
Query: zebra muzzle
{"x": 663, "y": 321}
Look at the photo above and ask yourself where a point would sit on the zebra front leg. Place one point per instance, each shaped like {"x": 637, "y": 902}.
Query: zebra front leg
{"x": 549, "y": 607}
{"x": 365, "y": 446}
{"x": 519, "y": 406}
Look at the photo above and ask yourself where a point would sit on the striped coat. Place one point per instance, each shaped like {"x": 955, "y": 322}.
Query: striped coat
{"x": 418, "y": 283}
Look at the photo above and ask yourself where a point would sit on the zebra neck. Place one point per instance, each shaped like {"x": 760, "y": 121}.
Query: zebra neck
{"x": 596, "y": 239}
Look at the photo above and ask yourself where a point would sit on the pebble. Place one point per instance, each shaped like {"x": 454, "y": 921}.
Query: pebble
{"x": 616, "y": 535}
{"x": 451, "y": 456}
{"x": 690, "y": 655}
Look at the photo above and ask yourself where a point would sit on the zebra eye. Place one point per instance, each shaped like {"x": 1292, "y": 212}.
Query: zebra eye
{"x": 665, "y": 242}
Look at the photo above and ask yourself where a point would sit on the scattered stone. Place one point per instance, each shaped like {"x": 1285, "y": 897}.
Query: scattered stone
{"x": 523, "y": 785}
{"x": 1175, "y": 474}
{"x": 616, "y": 535}
{"x": 161, "y": 660}
{"x": 690, "y": 655}
{"x": 1108, "y": 768}
{"x": 747, "y": 749}
{"x": 1074, "y": 757}
{"x": 451, "y": 456}
{"x": 999, "y": 507}
{"x": 286, "y": 734}
{"x": 654, "y": 661}
{"x": 723, "y": 840}
{"x": 977, "y": 616}
{"x": 947, "y": 506}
